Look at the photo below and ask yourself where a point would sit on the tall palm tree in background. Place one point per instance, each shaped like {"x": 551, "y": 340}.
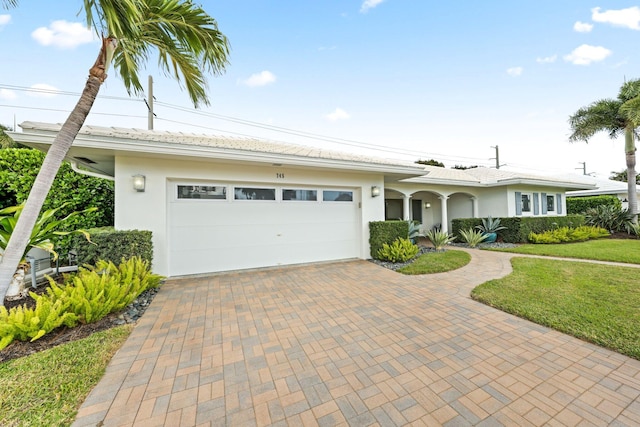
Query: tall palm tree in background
{"x": 188, "y": 44}
{"x": 614, "y": 116}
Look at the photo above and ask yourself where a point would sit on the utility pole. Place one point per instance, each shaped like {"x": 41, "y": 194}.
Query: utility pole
{"x": 584, "y": 169}
{"x": 150, "y": 104}
{"x": 497, "y": 157}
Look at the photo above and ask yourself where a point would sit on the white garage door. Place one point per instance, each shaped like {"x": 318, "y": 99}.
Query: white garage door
{"x": 219, "y": 227}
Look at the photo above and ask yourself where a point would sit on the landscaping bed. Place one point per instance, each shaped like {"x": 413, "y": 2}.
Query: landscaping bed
{"x": 64, "y": 334}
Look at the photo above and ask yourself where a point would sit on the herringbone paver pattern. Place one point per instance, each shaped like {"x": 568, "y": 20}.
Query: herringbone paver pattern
{"x": 354, "y": 344}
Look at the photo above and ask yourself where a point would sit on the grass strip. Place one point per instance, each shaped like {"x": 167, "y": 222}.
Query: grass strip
{"x": 47, "y": 388}
{"x": 596, "y": 303}
{"x": 615, "y": 250}
{"x": 437, "y": 262}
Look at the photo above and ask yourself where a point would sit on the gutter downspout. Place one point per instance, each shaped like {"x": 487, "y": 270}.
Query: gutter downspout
{"x": 76, "y": 168}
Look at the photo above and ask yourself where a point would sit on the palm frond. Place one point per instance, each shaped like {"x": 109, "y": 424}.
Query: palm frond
{"x": 186, "y": 39}
{"x": 603, "y": 115}
{"x": 7, "y": 4}
{"x": 629, "y": 90}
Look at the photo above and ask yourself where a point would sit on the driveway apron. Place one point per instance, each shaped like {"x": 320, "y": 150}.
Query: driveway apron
{"x": 352, "y": 343}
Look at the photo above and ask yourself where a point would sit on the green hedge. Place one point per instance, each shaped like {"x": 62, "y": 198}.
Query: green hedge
{"x": 18, "y": 170}
{"x": 518, "y": 228}
{"x": 579, "y": 205}
{"x": 111, "y": 245}
{"x": 381, "y": 232}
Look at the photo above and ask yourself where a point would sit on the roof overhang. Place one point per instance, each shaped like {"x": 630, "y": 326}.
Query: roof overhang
{"x": 97, "y": 153}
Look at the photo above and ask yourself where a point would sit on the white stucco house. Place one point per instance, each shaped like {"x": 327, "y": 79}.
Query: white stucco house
{"x": 219, "y": 203}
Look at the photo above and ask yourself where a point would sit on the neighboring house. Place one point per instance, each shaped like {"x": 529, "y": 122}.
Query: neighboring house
{"x": 220, "y": 203}
{"x": 605, "y": 187}
{"x": 441, "y": 195}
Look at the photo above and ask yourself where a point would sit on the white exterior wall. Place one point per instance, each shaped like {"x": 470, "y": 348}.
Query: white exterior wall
{"x": 493, "y": 202}
{"x": 148, "y": 210}
{"x": 511, "y": 191}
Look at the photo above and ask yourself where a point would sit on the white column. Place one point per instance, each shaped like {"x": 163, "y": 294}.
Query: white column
{"x": 405, "y": 207}
{"x": 443, "y": 213}
{"x": 474, "y": 200}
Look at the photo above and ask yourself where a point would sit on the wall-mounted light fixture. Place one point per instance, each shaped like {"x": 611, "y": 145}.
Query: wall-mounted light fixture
{"x": 139, "y": 183}
{"x": 427, "y": 205}
{"x": 375, "y": 191}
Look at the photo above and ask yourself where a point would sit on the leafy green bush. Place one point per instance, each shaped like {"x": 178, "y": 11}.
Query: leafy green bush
{"x": 77, "y": 192}
{"x": 473, "y": 237}
{"x": 439, "y": 238}
{"x": 400, "y": 250}
{"x": 29, "y": 324}
{"x": 613, "y": 218}
{"x": 85, "y": 297}
{"x": 45, "y": 230}
{"x": 381, "y": 232}
{"x": 567, "y": 234}
{"x": 579, "y": 205}
{"x": 114, "y": 246}
{"x": 94, "y": 292}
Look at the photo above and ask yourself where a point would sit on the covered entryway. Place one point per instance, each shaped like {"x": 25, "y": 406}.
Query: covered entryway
{"x": 230, "y": 226}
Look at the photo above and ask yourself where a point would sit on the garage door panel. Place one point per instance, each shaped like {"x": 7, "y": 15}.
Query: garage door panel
{"x": 208, "y": 236}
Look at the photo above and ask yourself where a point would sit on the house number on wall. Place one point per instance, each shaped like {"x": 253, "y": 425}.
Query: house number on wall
{"x": 279, "y": 175}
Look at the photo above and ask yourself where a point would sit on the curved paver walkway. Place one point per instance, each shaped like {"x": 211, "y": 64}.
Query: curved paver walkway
{"x": 354, "y": 344}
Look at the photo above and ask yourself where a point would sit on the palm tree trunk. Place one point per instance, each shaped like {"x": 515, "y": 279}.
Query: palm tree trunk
{"x": 19, "y": 239}
{"x": 630, "y": 151}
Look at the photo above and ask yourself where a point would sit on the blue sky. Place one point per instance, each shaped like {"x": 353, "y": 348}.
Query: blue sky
{"x": 412, "y": 79}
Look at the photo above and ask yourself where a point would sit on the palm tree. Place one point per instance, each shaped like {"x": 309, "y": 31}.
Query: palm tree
{"x": 188, "y": 44}
{"x": 614, "y": 116}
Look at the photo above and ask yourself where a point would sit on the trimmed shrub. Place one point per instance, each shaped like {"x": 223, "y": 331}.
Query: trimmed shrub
{"x": 381, "y": 232}
{"x": 400, "y": 250}
{"x": 111, "y": 245}
{"x": 519, "y": 228}
{"x": 579, "y": 205}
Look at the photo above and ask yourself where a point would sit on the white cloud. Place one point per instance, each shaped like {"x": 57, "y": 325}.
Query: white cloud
{"x": 43, "y": 90}
{"x": 63, "y": 34}
{"x": 4, "y": 19}
{"x": 7, "y": 94}
{"x": 586, "y": 54}
{"x": 582, "y": 27}
{"x": 547, "y": 59}
{"x": 260, "y": 79}
{"x": 338, "y": 114}
{"x": 627, "y": 18}
{"x": 515, "y": 71}
{"x": 369, "y": 4}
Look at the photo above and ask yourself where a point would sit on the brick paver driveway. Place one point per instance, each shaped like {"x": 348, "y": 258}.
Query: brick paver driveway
{"x": 354, "y": 344}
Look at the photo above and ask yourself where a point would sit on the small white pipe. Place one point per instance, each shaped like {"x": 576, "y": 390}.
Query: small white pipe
{"x": 76, "y": 168}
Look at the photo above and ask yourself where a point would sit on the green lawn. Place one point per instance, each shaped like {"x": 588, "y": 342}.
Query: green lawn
{"x": 47, "y": 388}
{"x": 597, "y": 303}
{"x": 619, "y": 250}
{"x": 437, "y": 262}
